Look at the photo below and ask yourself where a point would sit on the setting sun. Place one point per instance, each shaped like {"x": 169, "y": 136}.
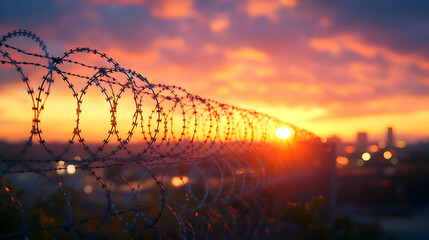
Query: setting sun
{"x": 283, "y": 133}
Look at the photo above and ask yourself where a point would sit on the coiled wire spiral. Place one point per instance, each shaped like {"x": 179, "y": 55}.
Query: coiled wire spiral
{"x": 187, "y": 167}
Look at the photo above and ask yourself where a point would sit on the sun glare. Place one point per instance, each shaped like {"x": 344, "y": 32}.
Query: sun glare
{"x": 283, "y": 133}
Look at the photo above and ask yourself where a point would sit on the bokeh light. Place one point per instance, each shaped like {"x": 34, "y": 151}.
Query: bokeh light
{"x": 342, "y": 160}
{"x": 87, "y": 189}
{"x": 349, "y": 149}
{"x": 387, "y": 155}
{"x": 373, "y": 148}
{"x": 62, "y": 166}
{"x": 71, "y": 169}
{"x": 366, "y": 156}
{"x": 179, "y": 181}
{"x": 401, "y": 144}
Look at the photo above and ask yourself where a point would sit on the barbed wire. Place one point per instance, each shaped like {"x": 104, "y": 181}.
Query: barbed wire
{"x": 192, "y": 172}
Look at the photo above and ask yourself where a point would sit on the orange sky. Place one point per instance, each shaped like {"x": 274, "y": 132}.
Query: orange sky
{"x": 334, "y": 68}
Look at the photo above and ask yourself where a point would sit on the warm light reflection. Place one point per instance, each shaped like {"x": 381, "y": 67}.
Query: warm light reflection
{"x": 373, "y": 148}
{"x": 179, "y": 181}
{"x": 71, "y": 169}
{"x": 387, "y": 155}
{"x": 366, "y": 156}
{"x": 349, "y": 149}
{"x": 381, "y": 144}
{"x": 360, "y": 162}
{"x": 87, "y": 189}
{"x": 400, "y": 144}
{"x": 394, "y": 161}
{"x": 283, "y": 133}
{"x": 342, "y": 160}
{"x": 61, "y": 165}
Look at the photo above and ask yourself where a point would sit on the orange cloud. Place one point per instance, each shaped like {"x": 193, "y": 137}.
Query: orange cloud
{"x": 288, "y": 3}
{"x": 210, "y": 48}
{"x": 325, "y": 22}
{"x": 248, "y": 54}
{"x": 171, "y": 43}
{"x": 242, "y": 63}
{"x": 223, "y": 90}
{"x": 229, "y": 72}
{"x": 359, "y": 90}
{"x": 173, "y": 9}
{"x": 268, "y": 8}
{"x": 301, "y": 73}
{"x": 325, "y": 44}
{"x": 219, "y": 24}
{"x": 353, "y": 43}
{"x": 360, "y": 48}
{"x": 309, "y": 89}
{"x": 363, "y": 72}
{"x": 264, "y": 71}
{"x": 129, "y": 57}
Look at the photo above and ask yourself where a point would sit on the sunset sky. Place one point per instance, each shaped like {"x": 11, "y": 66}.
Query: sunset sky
{"x": 332, "y": 67}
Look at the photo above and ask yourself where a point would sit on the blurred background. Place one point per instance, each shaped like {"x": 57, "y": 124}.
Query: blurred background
{"x": 356, "y": 73}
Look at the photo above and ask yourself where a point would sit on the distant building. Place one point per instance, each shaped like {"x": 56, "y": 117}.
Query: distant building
{"x": 338, "y": 144}
{"x": 390, "y": 141}
{"x": 361, "y": 142}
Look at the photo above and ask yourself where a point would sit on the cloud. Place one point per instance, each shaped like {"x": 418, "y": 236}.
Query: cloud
{"x": 301, "y": 73}
{"x": 220, "y": 23}
{"x": 230, "y": 71}
{"x": 135, "y": 60}
{"x": 249, "y": 54}
{"x": 397, "y": 24}
{"x": 352, "y": 43}
{"x": 173, "y": 9}
{"x": 288, "y": 3}
{"x": 268, "y": 8}
{"x": 364, "y": 72}
{"x": 264, "y": 71}
{"x": 210, "y": 48}
{"x": 325, "y": 44}
{"x": 170, "y": 43}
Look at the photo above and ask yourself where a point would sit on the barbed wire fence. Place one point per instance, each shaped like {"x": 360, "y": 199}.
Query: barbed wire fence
{"x": 187, "y": 167}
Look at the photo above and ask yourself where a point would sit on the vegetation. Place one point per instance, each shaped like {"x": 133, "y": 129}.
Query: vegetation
{"x": 342, "y": 228}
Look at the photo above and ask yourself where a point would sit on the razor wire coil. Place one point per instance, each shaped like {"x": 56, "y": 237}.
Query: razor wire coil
{"x": 195, "y": 162}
